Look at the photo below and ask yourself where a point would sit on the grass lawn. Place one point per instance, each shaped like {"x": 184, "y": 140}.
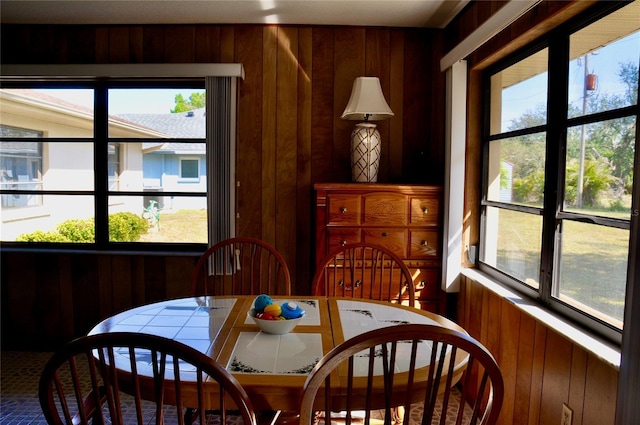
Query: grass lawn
{"x": 593, "y": 268}
{"x": 188, "y": 226}
{"x": 593, "y": 265}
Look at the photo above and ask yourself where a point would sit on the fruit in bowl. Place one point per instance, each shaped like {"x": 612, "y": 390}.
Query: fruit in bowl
{"x": 273, "y": 325}
{"x": 275, "y": 318}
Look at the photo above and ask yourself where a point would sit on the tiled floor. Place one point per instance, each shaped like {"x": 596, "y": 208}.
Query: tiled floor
{"x": 19, "y": 387}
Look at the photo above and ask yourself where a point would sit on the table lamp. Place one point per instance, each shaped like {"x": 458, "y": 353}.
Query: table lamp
{"x": 366, "y": 103}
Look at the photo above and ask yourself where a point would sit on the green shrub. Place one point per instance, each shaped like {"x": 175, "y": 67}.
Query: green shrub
{"x": 126, "y": 227}
{"x": 77, "y": 230}
{"x": 123, "y": 227}
{"x": 40, "y": 236}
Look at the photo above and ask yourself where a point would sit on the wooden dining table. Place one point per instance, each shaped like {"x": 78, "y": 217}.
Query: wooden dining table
{"x": 271, "y": 368}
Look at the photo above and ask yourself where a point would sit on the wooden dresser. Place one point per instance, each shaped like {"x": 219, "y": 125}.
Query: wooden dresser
{"x": 405, "y": 218}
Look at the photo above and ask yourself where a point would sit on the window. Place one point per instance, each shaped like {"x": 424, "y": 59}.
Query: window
{"x": 110, "y": 152}
{"x": 190, "y": 169}
{"x": 20, "y": 167}
{"x": 559, "y": 146}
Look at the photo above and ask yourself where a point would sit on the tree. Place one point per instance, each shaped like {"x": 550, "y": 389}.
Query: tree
{"x": 196, "y": 101}
{"x": 608, "y": 159}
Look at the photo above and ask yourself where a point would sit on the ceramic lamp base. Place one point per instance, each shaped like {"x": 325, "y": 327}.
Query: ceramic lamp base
{"x": 365, "y": 153}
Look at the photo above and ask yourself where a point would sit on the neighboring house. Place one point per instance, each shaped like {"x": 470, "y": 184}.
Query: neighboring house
{"x": 63, "y": 165}
{"x": 174, "y": 166}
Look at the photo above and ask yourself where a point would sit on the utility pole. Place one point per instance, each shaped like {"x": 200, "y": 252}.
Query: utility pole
{"x": 582, "y": 133}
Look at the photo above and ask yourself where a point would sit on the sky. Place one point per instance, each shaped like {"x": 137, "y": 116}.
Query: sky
{"x": 127, "y": 101}
{"x": 605, "y": 63}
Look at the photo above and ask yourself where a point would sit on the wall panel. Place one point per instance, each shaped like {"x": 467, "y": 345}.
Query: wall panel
{"x": 289, "y": 136}
{"x": 542, "y": 369}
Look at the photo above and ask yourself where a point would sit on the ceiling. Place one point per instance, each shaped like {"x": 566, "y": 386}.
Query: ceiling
{"x": 386, "y": 13}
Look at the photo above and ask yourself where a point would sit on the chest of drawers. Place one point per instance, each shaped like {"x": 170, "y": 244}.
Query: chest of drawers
{"x": 406, "y": 219}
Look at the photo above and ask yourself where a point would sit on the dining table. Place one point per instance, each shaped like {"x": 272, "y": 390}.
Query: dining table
{"x": 271, "y": 368}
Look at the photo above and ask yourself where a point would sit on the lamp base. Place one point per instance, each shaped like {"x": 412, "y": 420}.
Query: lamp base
{"x": 365, "y": 153}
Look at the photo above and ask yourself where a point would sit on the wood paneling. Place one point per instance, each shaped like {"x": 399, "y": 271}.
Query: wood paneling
{"x": 289, "y": 136}
{"x": 541, "y": 368}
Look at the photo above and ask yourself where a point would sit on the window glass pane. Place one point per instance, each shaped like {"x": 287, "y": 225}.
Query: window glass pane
{"x": 516, "y": 170}
{"x": 113, "y": 166}
{"x": 603, "y": 72}
{"x": 157, "y": 113}
{"x": 55, "y": 218}
{"x": 153, "y": 167}
{"x": 189, "y": 168}
{"x": 599, "y": 168}
{"x": 168, "y": 219}
{"x": 512, "y": 242}
{"x": 50, "y": 112}
{"x": 519, "y": 95}
{"x": 593, "y": 269}
{"x": 27, "y": 165}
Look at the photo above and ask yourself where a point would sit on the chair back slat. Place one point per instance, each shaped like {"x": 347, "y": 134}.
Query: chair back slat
{"x": 403, "y": 371}
{"x": 241, "y": 266}
{"x": 125, "y": 378}
{"x": 367, "y": 271}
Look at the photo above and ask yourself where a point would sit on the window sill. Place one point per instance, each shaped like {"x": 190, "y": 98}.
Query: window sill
{"x": 604, "y": 350}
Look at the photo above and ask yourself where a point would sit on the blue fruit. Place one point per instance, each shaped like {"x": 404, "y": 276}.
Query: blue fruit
{"x": 291, "y": 310}
{"x": 261, "y": 302}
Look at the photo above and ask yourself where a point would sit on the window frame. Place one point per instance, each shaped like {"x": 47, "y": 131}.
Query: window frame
{"x": 102, "y": 180}
{"x": 557, "y": 43}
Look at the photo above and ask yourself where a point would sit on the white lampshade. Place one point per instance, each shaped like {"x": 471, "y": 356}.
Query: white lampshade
{"x": 367, "y": 102}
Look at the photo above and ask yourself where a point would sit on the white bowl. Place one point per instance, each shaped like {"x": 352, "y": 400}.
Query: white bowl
{"x": 276, "y": 327}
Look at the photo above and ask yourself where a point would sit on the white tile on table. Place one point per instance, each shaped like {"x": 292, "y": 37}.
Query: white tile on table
{"x": 165, "y": 331}
{"x": 198, "y": 321}
{"x": 298, "y": 353}
{"x": 179, "y": 310}
{"x": 201, "y": 345}
{"x": 254, "y": 352}
{"x": 193, "y": 333}
{"x": 125, "y": 328}
{"x": 168, "y": 321}
{"x": 150, "y": 311}
{"x": 138, "y": 319}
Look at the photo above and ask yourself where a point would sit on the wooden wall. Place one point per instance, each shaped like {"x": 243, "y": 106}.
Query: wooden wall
{"x": 290, "y": 136}
{"x": 541, "y": 368}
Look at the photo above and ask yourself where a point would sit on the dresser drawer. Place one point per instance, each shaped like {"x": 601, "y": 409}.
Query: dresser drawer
{"x": 343, "y": 210}
{"x": 424, "y": 243}
{"x": 424, "y": 211}
{"x": 341, "y": 236}
{"x": 357, "y": 283}
{"x": 426, "y": 281}
{"x": 394, "y": 240}
{"x": 386, "y": 209}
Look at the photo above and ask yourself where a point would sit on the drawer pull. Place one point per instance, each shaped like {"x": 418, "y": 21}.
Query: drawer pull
{"x": 384, "y": 234}
{"x": 343, "y": 243}
{"x": 421, "y": 285}
{"x": 349, "y": 288}
{"x": 424, "y": 243}
{"x": 343, "y": 210}
{"x": 425, "y": 210}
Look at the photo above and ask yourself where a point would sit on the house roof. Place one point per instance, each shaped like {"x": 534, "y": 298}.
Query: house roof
{"x": 184, "y": 125}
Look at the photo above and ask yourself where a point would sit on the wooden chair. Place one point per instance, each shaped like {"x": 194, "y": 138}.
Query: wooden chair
{"x": 79, "y": 384}
{"x": 415, "y": 369}
{"x": 361, "y": 270}
{"x": 241, "y": 266}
